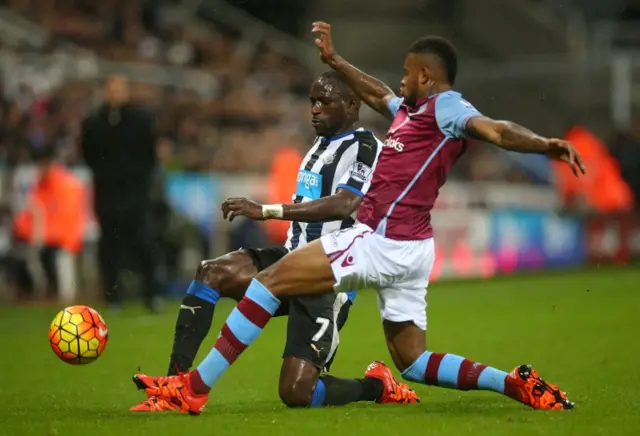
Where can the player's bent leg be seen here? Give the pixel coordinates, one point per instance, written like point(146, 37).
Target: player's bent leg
point(301, 385)
point(305, 271)
point(312, 341)
point(227, 276)
point(405, 341)
point(406, 344)
point(404, 314)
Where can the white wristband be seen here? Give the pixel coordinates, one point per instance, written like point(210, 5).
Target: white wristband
point(272, 211)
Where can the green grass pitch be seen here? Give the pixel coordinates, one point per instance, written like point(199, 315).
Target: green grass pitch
point(580, 329)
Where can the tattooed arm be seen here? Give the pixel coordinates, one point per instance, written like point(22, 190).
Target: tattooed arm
point(514, 137)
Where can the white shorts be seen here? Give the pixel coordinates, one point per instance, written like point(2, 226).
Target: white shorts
point(397, 270)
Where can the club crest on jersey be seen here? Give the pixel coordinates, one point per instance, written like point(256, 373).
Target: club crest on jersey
point(309, 184)
point(360, 172)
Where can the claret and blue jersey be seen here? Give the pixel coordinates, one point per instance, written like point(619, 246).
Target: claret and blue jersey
point(423, 143)
point(451, 112)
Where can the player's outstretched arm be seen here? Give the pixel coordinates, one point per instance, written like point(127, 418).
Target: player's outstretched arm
point(372, 91)
point(338, 206)
point(514, 137)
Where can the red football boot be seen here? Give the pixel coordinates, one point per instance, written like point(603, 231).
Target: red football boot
point(174, 389)
point(154, 404)
point(393, 390)
point(525, 385)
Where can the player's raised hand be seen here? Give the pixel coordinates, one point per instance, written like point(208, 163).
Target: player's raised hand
point(233, 207)
point(324, 43)
point(564, 151)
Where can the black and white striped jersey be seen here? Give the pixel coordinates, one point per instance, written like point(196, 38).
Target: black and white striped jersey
point(344, 161)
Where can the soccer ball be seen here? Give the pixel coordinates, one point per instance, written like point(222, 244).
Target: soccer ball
point(78, 335)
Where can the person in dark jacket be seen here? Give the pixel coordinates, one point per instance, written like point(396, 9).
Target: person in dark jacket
point(626, 150)
point(118, 145)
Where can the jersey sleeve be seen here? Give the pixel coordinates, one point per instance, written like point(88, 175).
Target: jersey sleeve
point(452, 114)
point(359, 172)
point(394, 105)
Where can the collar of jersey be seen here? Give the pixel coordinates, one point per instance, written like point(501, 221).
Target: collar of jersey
point(426, 99)
point(342, 135)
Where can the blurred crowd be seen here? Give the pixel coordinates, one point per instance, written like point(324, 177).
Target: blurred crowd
point(258, 106)
point(260, 102)
point(193, 135)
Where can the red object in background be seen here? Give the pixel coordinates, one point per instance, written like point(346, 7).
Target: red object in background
point(463, 259)
point(607, 239)
point(488, 264)
point(462, 246)
point(281, 185)
point(507, 259)
point(58, 199)
point(39, 107)
point(603, 187)
point(436, 271)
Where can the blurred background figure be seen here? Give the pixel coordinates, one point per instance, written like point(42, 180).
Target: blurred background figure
point(282, 176)
point(605, 190)
point(626, 149)
point(118, 146)
point(53, 223)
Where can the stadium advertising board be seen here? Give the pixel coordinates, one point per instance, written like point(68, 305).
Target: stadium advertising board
point(563, 241)
point(195, 197)
point(462, 244)
point(525, 240)
point(471, 241)
point(516, 239)
point(613, 238)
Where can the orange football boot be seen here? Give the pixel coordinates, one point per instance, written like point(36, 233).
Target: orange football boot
point(393, 391)
point(175, 389)
point(525, 385)
point(154, 404)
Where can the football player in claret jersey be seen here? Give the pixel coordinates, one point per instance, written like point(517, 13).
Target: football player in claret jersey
point(334, 176)
point(390, 248)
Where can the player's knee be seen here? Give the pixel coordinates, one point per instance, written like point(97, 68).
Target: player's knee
point(201, 269)
point(217, 274)
point(296, 394)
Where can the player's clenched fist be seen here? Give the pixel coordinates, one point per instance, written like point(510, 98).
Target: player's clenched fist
point(324, 43)
point(233, 207)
